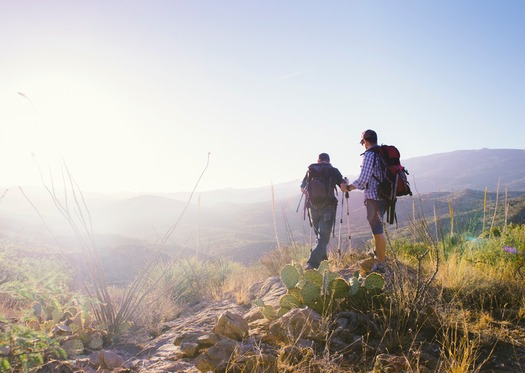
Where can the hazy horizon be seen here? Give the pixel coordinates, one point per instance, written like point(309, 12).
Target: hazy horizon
point(132, 96)
point(59, 185)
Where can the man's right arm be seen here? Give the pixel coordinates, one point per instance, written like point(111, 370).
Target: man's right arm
point(366, 172)
point(303, 184)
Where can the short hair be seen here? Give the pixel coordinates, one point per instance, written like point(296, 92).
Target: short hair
point(324, 157)
point(370, 136)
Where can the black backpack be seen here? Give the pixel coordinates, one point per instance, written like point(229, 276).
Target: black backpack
point(319, 185)
point(394, 182)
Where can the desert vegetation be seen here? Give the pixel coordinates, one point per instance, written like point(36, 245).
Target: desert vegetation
point(453, 301)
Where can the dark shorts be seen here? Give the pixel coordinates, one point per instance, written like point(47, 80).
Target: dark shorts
point(375, 210)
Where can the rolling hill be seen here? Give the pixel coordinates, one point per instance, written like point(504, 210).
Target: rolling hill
point(239, 224)
point(469, 169)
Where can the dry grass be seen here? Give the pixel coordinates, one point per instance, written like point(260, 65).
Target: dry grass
point(9, 308)
point(239, 283)
point(460, 342)
point(274, 261)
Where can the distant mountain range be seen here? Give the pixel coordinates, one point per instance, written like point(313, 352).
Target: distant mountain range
point(469, 169)
point(452, 171)
point(239, 224)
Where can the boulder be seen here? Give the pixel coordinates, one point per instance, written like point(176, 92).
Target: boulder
point(216, 358)
point(270, 291)
point(186, 337)
point(231, 325)
point(299, 323)
point(257, 363)
point(106, 360)
point(208, 340)
point(189, 349)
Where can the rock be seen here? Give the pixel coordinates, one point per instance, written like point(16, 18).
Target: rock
point(168, 350)
point(208, 340)
point(177, 353)
point(366, 265)
point(186, 337)
point(254, 314)
point(232, 326)
point(298, 323)
point(348, 329)
point(260, 363)
point(106, 360)
point(386, 363)
point(340, 341)
point(216, 358)
point(191, 344)
point(189, 349)
point(270, 291)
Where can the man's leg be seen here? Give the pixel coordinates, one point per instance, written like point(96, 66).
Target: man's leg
point(325, 221)
point(380, 242)
point(375, 211)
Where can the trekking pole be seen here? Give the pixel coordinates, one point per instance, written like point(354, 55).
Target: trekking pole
point(348, 222)
point(299, 204)
point(340, 227)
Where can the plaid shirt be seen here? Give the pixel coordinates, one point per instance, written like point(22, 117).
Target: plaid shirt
point(366, 181)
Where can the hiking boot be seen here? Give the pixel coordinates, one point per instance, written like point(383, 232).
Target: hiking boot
point(309, 266)
point(380, 268)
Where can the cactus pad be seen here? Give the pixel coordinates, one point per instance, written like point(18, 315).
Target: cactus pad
point(296, 292)
point(355, 286)
point(289, 301)
point(289, 276)
point(324, 266)
point(269, 312)
point(374, 281)
point(313, 277)
point(338, 288)
point(310, 293)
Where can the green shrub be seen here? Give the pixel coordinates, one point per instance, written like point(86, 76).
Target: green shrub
point(22, 348)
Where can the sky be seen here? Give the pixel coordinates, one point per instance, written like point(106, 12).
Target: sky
point(138, 96)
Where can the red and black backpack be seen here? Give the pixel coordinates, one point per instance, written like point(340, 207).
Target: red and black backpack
point(394, 182)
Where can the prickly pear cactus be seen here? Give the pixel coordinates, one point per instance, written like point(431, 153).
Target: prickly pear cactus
point(289, 276)
point(323, 291)
point(324, 266)
point(374, 281)
point(267, 310)
point(328, 277)
point(38, 311)
point(296, 292)
point(355, 285)
point(258, 302)
point(310, 293)
point(289, 301)
point(96, 341)
point(76, 322)
point(338, 288)
point(73, 347)
point(314, 277)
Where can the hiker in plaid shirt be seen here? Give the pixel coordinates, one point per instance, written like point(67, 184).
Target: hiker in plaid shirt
point(375, 206)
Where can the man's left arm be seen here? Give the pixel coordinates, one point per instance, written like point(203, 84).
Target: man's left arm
point(340, 181)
